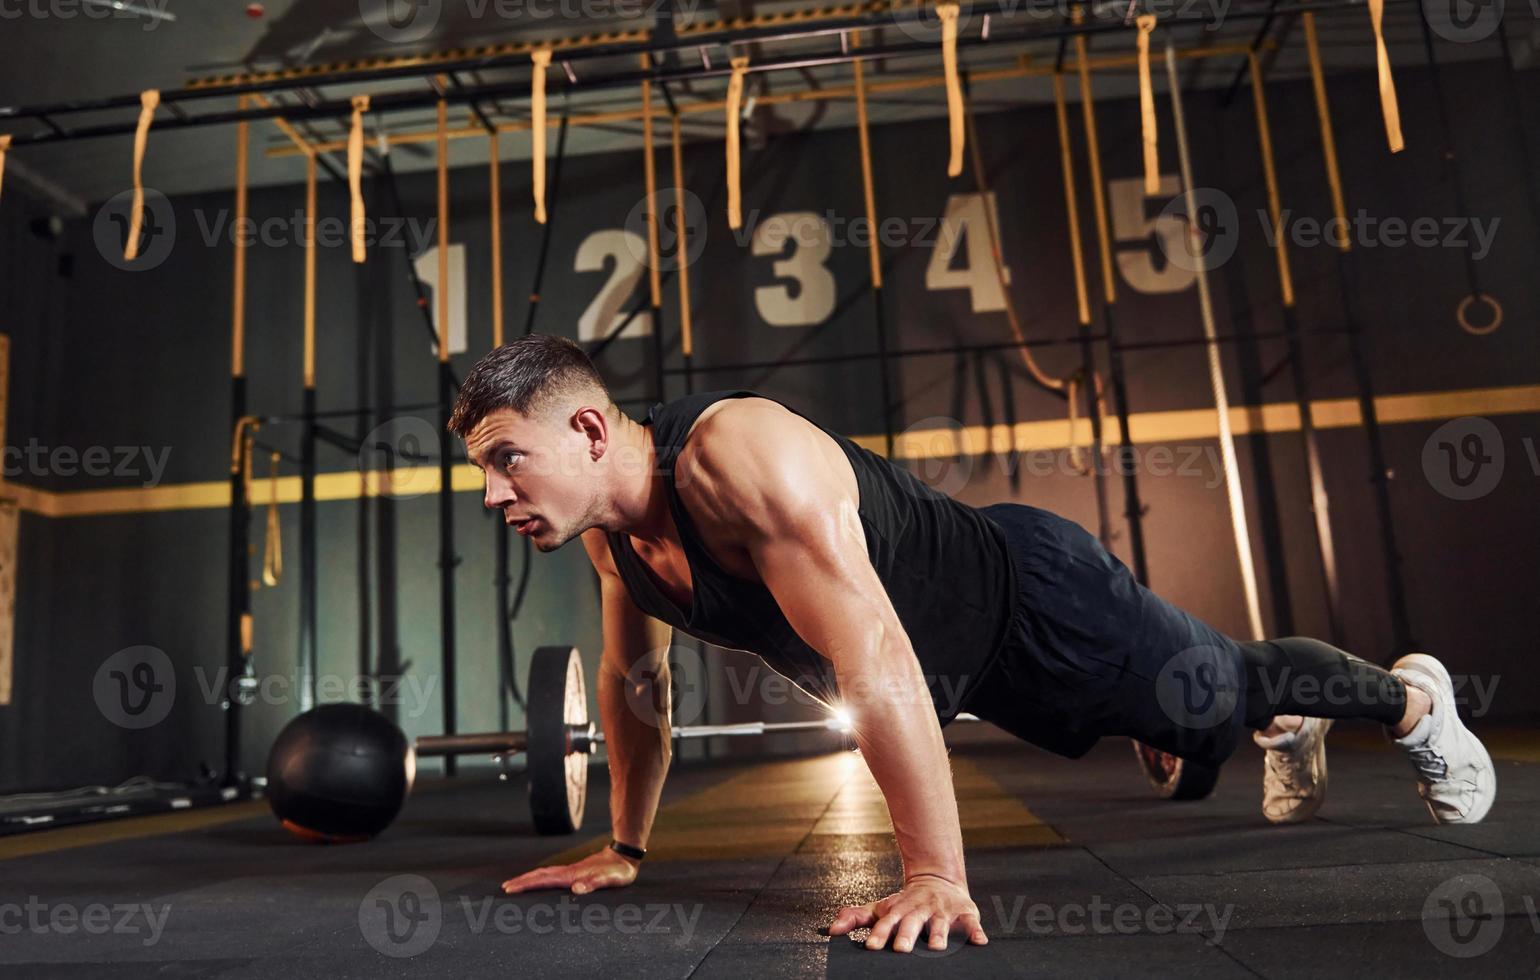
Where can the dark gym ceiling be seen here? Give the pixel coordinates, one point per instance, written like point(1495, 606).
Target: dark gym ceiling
point(59, 50)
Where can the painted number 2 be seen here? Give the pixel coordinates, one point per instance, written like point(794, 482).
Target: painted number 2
point(625, 250)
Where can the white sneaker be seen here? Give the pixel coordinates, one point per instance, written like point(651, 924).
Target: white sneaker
point(1294, 772)
point(1454, 773)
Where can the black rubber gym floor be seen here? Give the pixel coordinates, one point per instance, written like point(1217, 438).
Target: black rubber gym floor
point(1077, 869)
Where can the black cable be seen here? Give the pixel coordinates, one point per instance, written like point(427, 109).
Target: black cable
point(550, 221)
point(418, 288)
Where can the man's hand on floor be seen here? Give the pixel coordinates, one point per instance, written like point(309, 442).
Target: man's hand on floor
point(927, 902)
point(604, 869)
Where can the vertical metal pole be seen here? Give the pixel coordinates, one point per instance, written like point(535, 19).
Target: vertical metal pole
point(1133, 508)
point(1238, 520)
point(1320, 502)
point(874, 253)
point(305, 665)
point(309, 586)
point(238, 610)
point(446, 528)
point(1083, 311)
point(1379, 473)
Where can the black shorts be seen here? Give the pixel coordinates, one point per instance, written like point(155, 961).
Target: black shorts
point(1090, 652)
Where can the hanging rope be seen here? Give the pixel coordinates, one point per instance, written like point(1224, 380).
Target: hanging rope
point(542, 61)
point(495, 192)
point(1388, 105)
point(1216, 370)
point(148, 101)
point(356, 176)
point(947, 11)
point(5, 145)
point(272, 546)
point(1146, 24)
point(1069, 386)
point(740, 65)
point(650, 178)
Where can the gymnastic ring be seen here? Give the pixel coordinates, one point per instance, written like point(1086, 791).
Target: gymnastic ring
point(1462, 314)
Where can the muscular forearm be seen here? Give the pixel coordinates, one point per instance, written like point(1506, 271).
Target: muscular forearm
point(896, 728)
point(639, 755)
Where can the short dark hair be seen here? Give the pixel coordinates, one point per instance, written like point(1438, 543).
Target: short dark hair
point(524, 375)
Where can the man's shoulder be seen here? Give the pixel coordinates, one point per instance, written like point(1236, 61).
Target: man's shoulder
point(737, 425)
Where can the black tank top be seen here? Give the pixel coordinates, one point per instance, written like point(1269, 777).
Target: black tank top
point(945, 566)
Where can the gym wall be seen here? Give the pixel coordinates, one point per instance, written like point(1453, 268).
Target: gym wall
point(103, 357)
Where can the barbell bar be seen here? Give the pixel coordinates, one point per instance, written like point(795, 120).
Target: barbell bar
point(341, 772)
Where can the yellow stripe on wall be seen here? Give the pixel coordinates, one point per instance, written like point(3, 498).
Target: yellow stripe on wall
point(973, 440)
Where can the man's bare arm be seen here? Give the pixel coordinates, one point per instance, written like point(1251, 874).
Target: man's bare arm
point(633, 697)
point(796, 513)
point(633, 674)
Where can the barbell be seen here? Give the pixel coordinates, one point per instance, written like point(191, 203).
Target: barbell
point(341, 772)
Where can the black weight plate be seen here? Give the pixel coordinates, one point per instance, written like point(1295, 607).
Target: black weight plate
point(558, 777)
point(1175, 778)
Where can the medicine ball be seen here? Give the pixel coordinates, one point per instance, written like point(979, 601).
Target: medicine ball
point(339, 773)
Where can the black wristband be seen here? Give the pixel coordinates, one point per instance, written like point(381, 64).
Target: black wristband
point(626, 850)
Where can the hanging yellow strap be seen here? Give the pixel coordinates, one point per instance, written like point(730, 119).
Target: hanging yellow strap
point(542, 60)
point(441, 288)
point(947, 12)
point(5, 145)
point(356, 176)
point(1071, 201)
point(245, 427)
point(650, 177)
point(682, 245)
point(1388, 104)
point(495, 205)
point(874, 253)
point(1270, 179)
point(238, 305)
point(148, 101)
point(1146, 24)
point(740, 65)
point(307, 369)
point(1328, 138)
point(272, 548)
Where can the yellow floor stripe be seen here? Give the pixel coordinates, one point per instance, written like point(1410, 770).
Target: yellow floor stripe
point(130, 828)
point(1148, 427)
